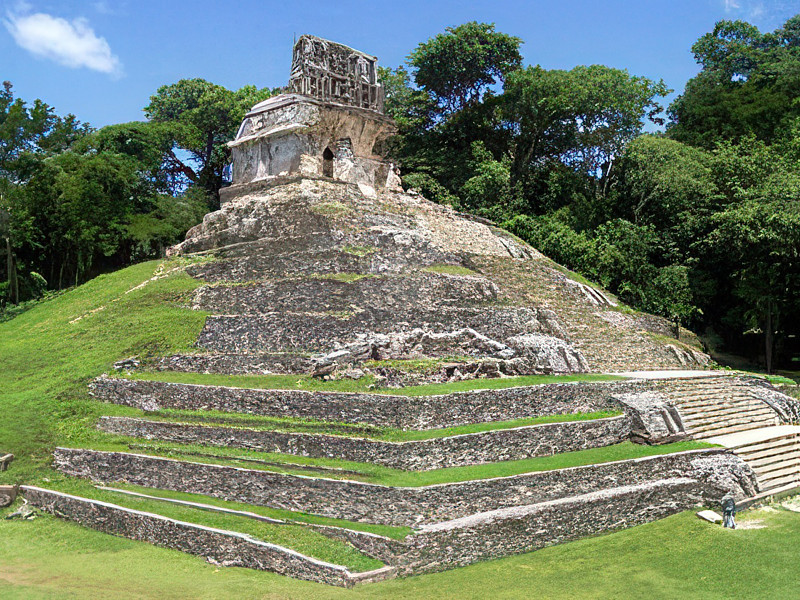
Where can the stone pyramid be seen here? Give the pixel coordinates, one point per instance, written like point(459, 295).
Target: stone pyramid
point(319, 264)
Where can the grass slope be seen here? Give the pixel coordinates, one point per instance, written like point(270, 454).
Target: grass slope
point(295, 536)
point(678, 558)
point(48, 354)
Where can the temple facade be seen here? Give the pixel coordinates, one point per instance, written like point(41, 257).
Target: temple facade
point(330, 123)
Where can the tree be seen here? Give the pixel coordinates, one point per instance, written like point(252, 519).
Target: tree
point(28, 134)
point(150, 144)
point(670, 295)
point(583, 117)
point(732, 49)
point(204, 117)
point(458, 67)
point(488, 191)
point(661, 180)
point(748, 85)
point(762, 237)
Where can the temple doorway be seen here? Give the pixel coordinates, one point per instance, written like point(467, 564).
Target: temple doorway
point(327, 163)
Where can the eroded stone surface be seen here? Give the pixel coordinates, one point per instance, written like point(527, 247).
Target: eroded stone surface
point(357, 501)
point(302, 249)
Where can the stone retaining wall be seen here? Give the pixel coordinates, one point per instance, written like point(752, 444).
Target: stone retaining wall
point(371, 252)
point(321, 332)
point(403, 412)
point(518, 529)
point(234, 364)
point(384, 293)
point(226, 547)
point(422, 455)
point(718, 470)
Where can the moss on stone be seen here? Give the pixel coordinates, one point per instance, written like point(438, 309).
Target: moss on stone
point(450, 270)
point(331, 209)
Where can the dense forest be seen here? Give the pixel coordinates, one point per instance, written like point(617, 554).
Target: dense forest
point(699, 223)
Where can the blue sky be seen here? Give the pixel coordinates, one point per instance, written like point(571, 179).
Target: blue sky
point(101, 60)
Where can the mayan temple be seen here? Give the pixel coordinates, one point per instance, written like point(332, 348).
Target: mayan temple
point(320, 265)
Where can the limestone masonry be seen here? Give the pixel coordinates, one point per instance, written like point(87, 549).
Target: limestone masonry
point(320, 268)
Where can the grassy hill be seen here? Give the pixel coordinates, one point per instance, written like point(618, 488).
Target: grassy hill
point(49, 353)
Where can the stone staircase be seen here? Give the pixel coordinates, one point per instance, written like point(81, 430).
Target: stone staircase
point(772, 452)
point(735, 413)
point(711, 407)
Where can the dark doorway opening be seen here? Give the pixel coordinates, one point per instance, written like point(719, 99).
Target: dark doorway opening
point(327, 163)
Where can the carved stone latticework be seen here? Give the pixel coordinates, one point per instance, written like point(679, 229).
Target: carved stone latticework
point(335, 73)
point(330, 124)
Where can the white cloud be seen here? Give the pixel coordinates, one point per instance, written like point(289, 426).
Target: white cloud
point(764, 13)
point(70, 43)
point(103, 8)
point(757, 11)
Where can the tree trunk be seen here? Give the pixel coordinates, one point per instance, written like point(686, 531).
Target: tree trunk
point(178, 165)
point(13, 280)
point(769, 338)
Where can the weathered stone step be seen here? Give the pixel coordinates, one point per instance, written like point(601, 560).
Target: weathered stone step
point(756, 450)
point(694, 397)
point(724, 409)
point(400, 295)
point(402, 412)
point(791, 480)
point(715, 401)
point(419, 455)
point(227, 547)
point(694, 400)
point(780, 455)
point(733, 419)
point(724, 429)
point(707, 419)
point(403, 506)
point(778, 477)
point(720, 407)
point(786, 466)
point(702, 385)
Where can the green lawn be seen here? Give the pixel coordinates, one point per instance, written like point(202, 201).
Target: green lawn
point(378, 474)
point(365, 384)
point(295, 536)
point(678, 558)
point(234, 420)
